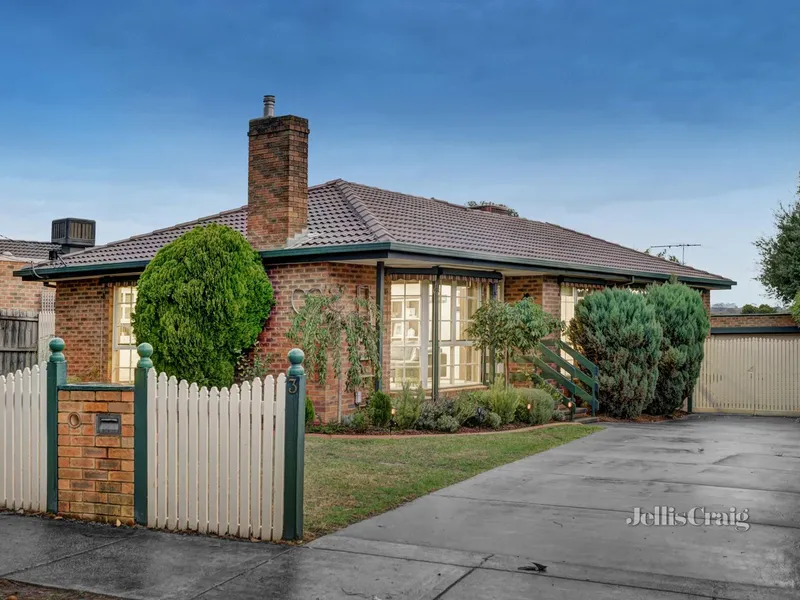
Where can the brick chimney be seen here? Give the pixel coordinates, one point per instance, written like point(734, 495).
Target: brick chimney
point(277, 178)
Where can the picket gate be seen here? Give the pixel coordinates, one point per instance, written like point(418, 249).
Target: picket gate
point(23, 439)
point(216, 456)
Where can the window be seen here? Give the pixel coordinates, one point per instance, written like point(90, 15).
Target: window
point(412, 330)
point(124, 342)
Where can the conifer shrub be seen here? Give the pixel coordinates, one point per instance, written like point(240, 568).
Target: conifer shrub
point(618, 331)
point(685, 325)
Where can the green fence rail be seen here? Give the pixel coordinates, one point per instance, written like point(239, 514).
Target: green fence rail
point(575, 381)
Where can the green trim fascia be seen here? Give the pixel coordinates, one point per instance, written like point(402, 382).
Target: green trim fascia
point(96, 387)
point(788, 329)
point(78, 271)
point(384, 250)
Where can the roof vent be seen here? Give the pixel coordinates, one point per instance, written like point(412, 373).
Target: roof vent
point(269, 106)
point(73, 234)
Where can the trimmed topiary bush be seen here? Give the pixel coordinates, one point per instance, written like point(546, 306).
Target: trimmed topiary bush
point(379, 408)
point(202, 301)
point(685, 325)
point(618, 330)
point(542, 406)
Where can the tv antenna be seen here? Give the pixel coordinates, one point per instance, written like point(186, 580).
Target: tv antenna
point(681, 246)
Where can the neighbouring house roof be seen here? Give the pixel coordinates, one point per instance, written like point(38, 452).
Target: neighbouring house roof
point(343, 214)
point(26, 250)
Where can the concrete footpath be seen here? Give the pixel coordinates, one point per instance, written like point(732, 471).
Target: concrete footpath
point(564, 509)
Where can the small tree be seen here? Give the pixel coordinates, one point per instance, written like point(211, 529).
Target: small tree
point(507, 328)
point(321, 326)
point(780, 254)
point(202, 300)
point(685, 325)
point(617, 330)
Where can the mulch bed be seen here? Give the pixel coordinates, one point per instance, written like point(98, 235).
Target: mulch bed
point(23, 591)
point(398, 433)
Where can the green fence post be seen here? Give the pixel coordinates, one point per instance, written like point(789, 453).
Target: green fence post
point(56, 376)
point(140, 474)
point(294, 454)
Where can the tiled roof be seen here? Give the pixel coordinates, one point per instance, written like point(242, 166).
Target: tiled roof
point(342, 213)
point(25, 250)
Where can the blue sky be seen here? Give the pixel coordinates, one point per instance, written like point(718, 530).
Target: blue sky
point(644, 123)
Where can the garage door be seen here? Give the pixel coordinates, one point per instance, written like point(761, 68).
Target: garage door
point(751, 375)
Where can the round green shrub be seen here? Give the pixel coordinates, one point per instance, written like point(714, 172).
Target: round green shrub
point(202, 300)
point(542, 406)
point(618, 331)
point(685, 325)
point(359, 420)
point(311, 414)
point(493, 420)
point(380, 408)
point(447, 423)
point(408, 405)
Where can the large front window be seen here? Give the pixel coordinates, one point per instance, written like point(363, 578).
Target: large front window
point(413, 331)
point(124, 342)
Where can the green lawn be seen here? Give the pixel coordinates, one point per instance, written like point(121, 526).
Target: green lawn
point(348, 480)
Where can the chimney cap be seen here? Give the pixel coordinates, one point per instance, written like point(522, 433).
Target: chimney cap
point(269, 106)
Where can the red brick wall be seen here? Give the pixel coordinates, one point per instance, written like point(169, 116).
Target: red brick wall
point(95, 473)
point(84, 320)
point(15, 293)
point(544, 290)
point(277, 190)
point(290, 281)
point(774, 320)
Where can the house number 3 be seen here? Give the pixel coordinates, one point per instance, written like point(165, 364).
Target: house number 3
point(292, 389)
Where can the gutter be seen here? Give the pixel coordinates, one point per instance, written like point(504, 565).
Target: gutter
point(387, 250)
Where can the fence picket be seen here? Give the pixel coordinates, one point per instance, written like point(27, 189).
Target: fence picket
point(213, 460)
point(35, 421)
point(267, 449)
point(224, 485)
point(18, 466)
point(42, 436)
point(4, 468)
point(202, 460)
point(162, 449)
point(255, 458)
point(172, 453)
point(245, 401)
point(25, 439)
point(152, 465)
point(233, 455)
point(192, 475)
point(183, 454)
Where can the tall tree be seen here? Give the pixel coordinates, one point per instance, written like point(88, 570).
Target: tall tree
point(780, 254)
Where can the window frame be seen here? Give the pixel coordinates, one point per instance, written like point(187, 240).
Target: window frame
point(116, 346)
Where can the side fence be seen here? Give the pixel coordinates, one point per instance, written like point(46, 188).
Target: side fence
point(161, 453)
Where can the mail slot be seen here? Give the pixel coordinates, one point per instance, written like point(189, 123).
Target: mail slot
point(106, 424)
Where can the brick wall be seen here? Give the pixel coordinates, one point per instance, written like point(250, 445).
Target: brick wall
point(292, 281)
point(95, 473)
point(544, 290)
point(15, 293)
point(773, 320)
point(84, 321)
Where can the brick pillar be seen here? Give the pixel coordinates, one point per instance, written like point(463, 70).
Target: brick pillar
point(95, 472)
point(277, 179)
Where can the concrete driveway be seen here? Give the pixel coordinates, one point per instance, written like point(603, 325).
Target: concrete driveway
point(567, 509)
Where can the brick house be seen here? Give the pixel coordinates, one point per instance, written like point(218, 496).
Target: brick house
point(427, 263)
point(15, 293)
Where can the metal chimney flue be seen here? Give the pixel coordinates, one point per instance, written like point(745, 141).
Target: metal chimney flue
point(269, 106)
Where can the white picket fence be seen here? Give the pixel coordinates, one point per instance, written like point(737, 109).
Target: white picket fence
point(216, 457)
point(23, 439)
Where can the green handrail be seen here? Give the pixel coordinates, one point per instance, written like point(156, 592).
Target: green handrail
point(549, 356)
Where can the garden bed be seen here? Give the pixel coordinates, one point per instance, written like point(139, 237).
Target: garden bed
point(678, 414)
point(340, 431)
